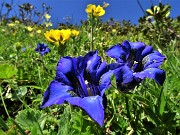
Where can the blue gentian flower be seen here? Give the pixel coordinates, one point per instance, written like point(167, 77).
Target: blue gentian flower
point(80, 81)
point(42, 49)
point(135, 62)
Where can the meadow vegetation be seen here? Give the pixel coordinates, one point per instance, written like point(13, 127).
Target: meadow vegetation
point(25, 75)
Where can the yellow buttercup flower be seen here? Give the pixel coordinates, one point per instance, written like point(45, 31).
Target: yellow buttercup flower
point(47, 16)
point(38, 31)
point(53, 36)
point(48, 24)
point(92, 10)
point(99, 11)
point(113, 30)
point(75, 33)
point(11, 24)
point(58, 36)
point(64, 35)
point(17, 22)
point(29, 28)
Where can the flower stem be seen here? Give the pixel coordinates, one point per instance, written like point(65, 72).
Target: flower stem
point(92, 31)
point(4, 103)
point(61, 49)
point(127, 108)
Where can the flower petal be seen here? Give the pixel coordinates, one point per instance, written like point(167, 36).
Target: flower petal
point(65, 65)
point(155, 73)
point(93, 61)
point(147, 50)
point(101, 70)
point(56, 94)
point(138, 48)
point(120, 52)
point(124, 75)
point(60, 77)
point(153, 60)
point(80, 64)
point(92, 105)
point(69, 67)
point(105, 81)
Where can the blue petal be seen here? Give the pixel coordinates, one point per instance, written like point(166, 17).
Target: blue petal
point(120, 52)
point(114, 51)
point(82, 90)
point(60, 77)
point(66, 65)
point(105, 81)
point(114, 66)
point(138, 48)
point(92, 105)
point(80, 64)
point(93, 61)
point(56, 94)
point(101, 70)
point(124, 74)
point(147, 50)
point(90, 54)
point(47, 50)
point(155, 73)
point(153, 60)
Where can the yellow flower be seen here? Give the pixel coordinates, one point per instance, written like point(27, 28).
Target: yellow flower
point(48, 24)
point(64, 35)
point(58, 36)
point(92, 10)
point(167, 14)
point(154, 11)
point(159, 10)
point(38, 31)
point(99, 11)
point(11, 24)
point(47, 16)
point(29, 28)
point(75, 33)
point(113, 30)
point(53, 36)
point(17, 22)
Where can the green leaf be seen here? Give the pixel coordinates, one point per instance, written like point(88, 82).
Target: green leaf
point(19, 93)
point(30, 118)
point(2, 132)
point(3, 124)
point(162, 104)
point(152, 115)
point(148, 125)
point(64, 123)
point(76, 120)
point(7, 71)
point(18, 126)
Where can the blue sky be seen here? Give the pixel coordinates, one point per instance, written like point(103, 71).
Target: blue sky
point(118, 9)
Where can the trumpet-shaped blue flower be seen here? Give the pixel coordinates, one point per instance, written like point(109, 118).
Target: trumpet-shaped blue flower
point(80, 81)
point(136, 61)
point(42, 49)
